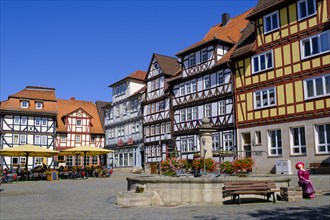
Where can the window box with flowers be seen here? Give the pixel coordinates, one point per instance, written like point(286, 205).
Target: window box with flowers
point(243, 164)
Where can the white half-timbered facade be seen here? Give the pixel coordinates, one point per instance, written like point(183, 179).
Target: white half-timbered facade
point(78, 125)
point(157, 108)
point(123, 122)
point(28, 117)
point(204, 88)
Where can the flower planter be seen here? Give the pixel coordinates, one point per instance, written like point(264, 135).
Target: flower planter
point(48, 177)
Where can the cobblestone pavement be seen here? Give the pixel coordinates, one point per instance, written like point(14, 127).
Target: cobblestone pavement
point(95, 199)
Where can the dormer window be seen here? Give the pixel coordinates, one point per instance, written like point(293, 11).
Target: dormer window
point(271, 22)
point(204, 55)
point(120, 90)
point(39, 105)
point(24, 104)
point(192, 60)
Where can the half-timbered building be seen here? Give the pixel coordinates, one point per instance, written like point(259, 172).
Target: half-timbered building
point(156, 109)
point(282, 77)
point(78, 124)
point(28, 117)
point(123, 122)
point(204, 88)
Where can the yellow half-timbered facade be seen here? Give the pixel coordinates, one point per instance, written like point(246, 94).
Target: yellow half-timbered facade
point(282, 84)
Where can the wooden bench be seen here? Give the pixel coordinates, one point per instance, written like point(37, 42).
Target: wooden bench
point(319, 168)
point(235, 189)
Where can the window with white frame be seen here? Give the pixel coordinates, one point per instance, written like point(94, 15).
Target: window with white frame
point(215, 142)
point(189, 114)
point(23, 160)
point(153, 107)
point(207, 82)
point(298, 141)
point(182, 115)
point(94, 159)
point(204, 55)
point(38, 105)
point(275, 142)
point(182, 89)
point(184, 145)
point(228, 144)
point(15, 138)
point(162, 105)
point(124, 108)
point(194, 113)
point(168, 127)
point(63, 137)
point(192, 61)
point(162, 128)
point(24, 120)
point(306, 8)
point(78, 122)
point(262, 62)
point(37, 139)
point(157, 129)
point(16, 120)
point(157, 83)
point(37, 121)
point(152, 130)
point(222, 107)
point(207, 110)
point(24, 104)
point(264, 98)
point(117, 111)
point(221, 77)
point(188, 88)
point(38, 160)
point(149, 109)
point(69, 160)
point(22, 139)
point(317, 87)
point(133, 128)
point(44, 121)
point(193, 86)
point(157, 106)
point(111, 113)
point(315, 45)
point(44, 139)
point(78, 138)
point(323, 138)
point(257, 136)
point(137, 127)
point(271, 22)
point(147, 131)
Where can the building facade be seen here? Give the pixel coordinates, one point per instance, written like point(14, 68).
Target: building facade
point(156, 109)
point(282, 77)
point(204, 88)
point(123, 122)
point(28, 117)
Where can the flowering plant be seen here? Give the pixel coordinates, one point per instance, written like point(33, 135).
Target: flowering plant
point(171, 165)
point(198, 163)
point(243, 164)
point(227, 167)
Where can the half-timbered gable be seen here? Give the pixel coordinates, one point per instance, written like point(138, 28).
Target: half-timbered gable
point(28, 117)
point(78, 124)
point(156, 108)
point(123, 121)
point(282, 72)
point(204, 88)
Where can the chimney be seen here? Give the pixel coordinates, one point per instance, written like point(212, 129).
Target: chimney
point(72, 98)
point(225, 19)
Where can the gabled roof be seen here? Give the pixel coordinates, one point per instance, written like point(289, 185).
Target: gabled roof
point(100, 105)
point(267, 6)
point(65, 107)
point(168, 64)
point(36, 93)
point(138, 75)
point(229, 34)
point(246, 43)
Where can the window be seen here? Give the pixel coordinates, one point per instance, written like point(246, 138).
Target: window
point(38, 105)
point(264, 98)
point(194, 113)
point(157, 129)
point(191, 60)
point(271, 22)
point(317, 87)
point(315, 45)
point(207, 82)
point(207, 110)
point(162, 105)
point(162, 129)
point(38, 160)
point(306, 8)
point(182, 89)
point(221, 77)
point(69, 160)
point(257, 137)
point(137, 127)
point(152, 130)
point(262, 62)
point(189, 115)
point(323, 138)
point(228, 142)
point(63, 137)
point(78, 122)
point(275, 143)
point(24, 120)
point(153, 107)
point(22, 139)
point(133, 128)
point(124, 109)
point(16, 120)
point(182, 115)
point(15, 139)
point(78, 138)
point(44, 140)
point(188, 88)
point(37, 139)
point(298, 143)
point(38, 121)
point(157, 106)
point(94, 159)
point(193, 86)
point(146, 131)
point(204, 55)
point(168, 127)
point(222, 107)
point(23, 160)
point(184, 146)
point(215, 142)
point(24, 104)
point(111, 113)
point(44, 121)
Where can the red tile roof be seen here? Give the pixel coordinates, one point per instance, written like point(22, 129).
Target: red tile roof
point(138, 75)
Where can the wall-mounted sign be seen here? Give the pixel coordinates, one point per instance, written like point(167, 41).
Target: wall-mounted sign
point(130, 141)
point(120, 143)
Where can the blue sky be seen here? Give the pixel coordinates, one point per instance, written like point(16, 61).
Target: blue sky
point(81, 47)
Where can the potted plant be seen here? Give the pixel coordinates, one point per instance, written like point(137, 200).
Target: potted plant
point(48, 174)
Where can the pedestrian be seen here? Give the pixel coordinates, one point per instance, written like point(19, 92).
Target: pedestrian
point(304, 181)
